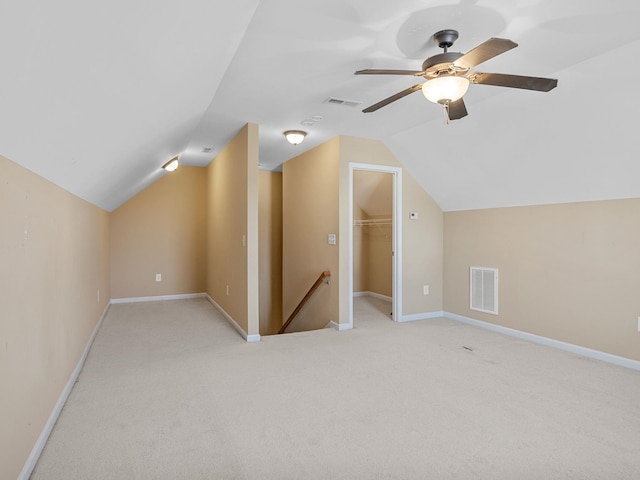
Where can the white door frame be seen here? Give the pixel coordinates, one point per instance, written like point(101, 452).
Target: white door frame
point(396, 241)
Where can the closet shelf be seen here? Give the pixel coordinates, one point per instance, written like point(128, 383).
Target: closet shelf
point(373, 221)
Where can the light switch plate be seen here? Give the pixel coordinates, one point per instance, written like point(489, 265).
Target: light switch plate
point(331, 239)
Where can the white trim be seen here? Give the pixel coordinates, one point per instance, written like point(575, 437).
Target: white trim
point(549, 342)
point(31, 462)
point(396, 295)
point(397, 245)
point(350, 255)
point(159, 298)
point(249, 338)
point(341, 326)
point(421, 316)
point(379, 296)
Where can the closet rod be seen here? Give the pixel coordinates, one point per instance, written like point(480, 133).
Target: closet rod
point(373, 221)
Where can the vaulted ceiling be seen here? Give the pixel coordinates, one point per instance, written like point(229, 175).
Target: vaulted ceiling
point(373, 192)
point(97, 96)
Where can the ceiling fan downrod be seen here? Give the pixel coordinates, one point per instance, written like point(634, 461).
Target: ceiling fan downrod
point(445, 38)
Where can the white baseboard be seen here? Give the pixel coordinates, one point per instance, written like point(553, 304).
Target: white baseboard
point(549, 342)
point(30, 464)
point(421, 316)
point(340, 326)
point(249, 338)
point(372, 294)
point(158, 298)
point(380, 296)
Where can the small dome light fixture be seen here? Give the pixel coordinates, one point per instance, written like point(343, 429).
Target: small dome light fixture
point(295, 137)
point(171, 165)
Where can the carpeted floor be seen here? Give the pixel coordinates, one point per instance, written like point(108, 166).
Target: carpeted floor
point(171, 391)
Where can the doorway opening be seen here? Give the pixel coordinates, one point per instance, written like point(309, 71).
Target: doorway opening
point(375, 237)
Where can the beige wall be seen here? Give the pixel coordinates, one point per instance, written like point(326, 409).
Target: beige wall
point(372, 256)
point(569, 272)
point(270, 251)
point(198, 227)
point(232, 229)
point(380, 260)
point(422, 250)
point(361, 255)
point(161, 230)
point(373, 244)
point(312, 208)
point(55, 259)
point(310, 213)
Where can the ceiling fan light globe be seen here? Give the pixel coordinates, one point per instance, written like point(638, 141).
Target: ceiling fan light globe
point(447, 88)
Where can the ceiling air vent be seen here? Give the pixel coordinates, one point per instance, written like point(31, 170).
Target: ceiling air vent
point(341, 101)
point(484, 289)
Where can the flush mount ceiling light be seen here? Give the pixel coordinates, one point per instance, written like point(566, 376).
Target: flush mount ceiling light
point(171, 165)
point(295, 137)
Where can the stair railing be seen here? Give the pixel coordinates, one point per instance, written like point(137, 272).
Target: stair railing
point(306, 298)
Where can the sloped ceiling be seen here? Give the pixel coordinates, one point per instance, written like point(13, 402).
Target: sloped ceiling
point(96, 97)
point(373, 192)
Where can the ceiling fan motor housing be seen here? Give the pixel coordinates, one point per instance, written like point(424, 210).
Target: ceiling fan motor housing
point(442, 63)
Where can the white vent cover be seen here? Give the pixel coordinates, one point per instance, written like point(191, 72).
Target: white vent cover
point(484, 289)
point(341, 101)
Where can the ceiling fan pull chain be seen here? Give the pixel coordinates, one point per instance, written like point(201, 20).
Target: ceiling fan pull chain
point(445, 106)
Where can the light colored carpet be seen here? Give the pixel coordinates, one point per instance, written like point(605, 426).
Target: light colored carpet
point(170, 391)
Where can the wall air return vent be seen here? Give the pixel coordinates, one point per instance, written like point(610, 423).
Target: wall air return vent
point(484, 289)
point(342, 102)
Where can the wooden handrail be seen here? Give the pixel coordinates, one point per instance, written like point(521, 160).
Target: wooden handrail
point(315, 286)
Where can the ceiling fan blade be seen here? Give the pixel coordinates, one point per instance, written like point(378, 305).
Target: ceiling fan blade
point(457, 109)
point(392, 98)
point(514, 81)
point(370, 71)
point(485, 51)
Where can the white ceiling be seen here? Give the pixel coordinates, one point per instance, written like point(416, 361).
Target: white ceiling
point(96, 97)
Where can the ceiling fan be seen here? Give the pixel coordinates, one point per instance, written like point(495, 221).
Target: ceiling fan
point(448, 76)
